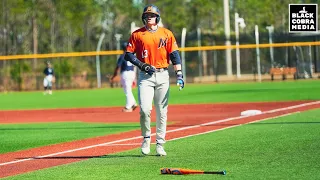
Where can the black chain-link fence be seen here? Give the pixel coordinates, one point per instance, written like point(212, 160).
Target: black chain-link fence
point(81, 72)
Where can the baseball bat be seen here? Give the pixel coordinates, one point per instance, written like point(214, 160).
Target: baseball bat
point(181, 171)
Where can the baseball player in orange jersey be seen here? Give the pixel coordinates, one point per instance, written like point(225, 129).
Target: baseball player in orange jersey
point(154, 46)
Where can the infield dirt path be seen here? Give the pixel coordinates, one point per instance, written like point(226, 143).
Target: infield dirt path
point(185, 120)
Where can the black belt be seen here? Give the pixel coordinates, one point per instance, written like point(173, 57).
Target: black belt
point(161, 69)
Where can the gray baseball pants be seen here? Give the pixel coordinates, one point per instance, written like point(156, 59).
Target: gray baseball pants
point(154, 88)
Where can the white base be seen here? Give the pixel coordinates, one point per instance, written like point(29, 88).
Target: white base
point(250, 112)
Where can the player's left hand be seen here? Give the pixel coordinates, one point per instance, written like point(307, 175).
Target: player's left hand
point(180, 81)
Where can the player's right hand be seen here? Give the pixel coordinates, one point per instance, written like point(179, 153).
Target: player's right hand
point(53, 80)
point(148, 69)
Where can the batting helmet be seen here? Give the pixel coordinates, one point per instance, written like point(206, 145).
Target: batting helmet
point(124, 46)
point(150, 9)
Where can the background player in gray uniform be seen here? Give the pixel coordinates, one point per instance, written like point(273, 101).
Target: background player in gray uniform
point(48, 79)
point(128, 76)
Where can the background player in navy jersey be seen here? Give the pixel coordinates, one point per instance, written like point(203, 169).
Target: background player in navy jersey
point(128, 75)
point(48, 79)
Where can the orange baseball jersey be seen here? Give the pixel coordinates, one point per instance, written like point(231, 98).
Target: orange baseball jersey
point(153, 48)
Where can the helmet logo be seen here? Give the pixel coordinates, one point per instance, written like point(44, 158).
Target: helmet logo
point(149, 9)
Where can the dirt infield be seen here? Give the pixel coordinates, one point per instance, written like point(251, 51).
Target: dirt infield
point(185, 120)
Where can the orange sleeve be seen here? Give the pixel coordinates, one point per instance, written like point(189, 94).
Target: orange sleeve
point(132, 43)
point(172, 43)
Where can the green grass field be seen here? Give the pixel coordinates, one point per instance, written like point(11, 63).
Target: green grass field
point(206, 93)
point(282, 148)
point(24, 136)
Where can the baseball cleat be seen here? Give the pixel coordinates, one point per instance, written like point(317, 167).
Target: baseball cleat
point(127, 110)
point(145, 147)
point(134, 107)
point(160, 150)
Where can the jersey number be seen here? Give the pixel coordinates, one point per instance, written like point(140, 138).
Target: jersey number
point(144, 53)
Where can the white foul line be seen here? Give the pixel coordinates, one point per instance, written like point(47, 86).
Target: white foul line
point(241, 117)
point(182, 137)
point(169, 131)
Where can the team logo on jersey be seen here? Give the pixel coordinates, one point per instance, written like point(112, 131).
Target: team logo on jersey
point(162, 43)
point(303, 17)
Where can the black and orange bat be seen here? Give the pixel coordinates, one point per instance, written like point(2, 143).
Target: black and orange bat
point(181, 171)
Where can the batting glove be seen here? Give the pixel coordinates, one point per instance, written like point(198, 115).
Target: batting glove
point(148, 69)
point(180, 81)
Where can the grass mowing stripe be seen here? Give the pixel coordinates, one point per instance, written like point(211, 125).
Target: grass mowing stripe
point(282, 148)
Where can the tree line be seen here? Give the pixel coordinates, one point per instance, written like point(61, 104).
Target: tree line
point(48, 26)
point(51, 26)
